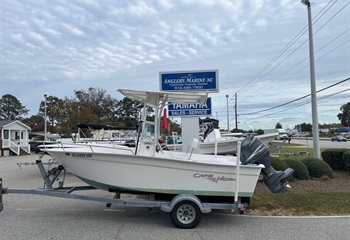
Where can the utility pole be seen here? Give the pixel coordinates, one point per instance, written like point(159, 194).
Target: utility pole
point(315, 134)
point(236, 117)
point(228, 116)
point(45, 127)
point(348, 121)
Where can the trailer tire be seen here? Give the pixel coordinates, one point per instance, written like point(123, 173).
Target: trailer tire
point(186, 214)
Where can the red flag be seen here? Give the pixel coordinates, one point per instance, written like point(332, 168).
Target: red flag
point(165, 124)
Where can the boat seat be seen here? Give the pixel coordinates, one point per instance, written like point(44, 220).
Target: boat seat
point(193, 145)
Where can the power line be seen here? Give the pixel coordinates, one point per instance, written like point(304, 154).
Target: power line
point(290, 44)
point(304, 103)
point(268, 109)
point(270, 82)
point(303, 31)
point(348, 40)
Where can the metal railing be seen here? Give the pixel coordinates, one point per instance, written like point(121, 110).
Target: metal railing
point(91, 146)
point(16, 146)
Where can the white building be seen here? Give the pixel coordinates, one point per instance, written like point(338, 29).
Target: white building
point(14, 138)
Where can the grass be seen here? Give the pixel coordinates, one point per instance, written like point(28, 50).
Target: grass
point(292, 150)
point(300, 204)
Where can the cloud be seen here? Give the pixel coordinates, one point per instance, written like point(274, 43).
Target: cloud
point(125, 44)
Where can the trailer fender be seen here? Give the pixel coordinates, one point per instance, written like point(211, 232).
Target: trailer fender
point(168, 206)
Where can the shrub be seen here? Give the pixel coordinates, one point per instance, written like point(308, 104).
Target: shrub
point(278, 164)
point(346, 159)
point(334, 158)
point(300, 170)
point(317, 168)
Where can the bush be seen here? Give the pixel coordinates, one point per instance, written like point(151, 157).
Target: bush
point(317, 168)
point(346, 159)
point(334, 158)
point(278, 164)
point(300, 170)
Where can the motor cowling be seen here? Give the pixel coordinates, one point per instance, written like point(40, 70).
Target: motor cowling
point(254, 151)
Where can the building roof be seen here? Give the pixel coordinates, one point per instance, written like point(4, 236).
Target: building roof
point(4, 123)
point(344, 129)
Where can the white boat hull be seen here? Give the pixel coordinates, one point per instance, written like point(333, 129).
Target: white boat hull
point(161, 174)
point(225, 145)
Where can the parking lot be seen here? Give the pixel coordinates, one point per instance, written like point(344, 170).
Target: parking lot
point(42, 217)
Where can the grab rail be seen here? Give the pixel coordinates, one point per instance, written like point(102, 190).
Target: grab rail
point(91, 146)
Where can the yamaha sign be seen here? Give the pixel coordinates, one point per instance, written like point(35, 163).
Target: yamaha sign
point(189, 110)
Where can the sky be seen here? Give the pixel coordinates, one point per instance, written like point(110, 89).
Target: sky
point(259, 47)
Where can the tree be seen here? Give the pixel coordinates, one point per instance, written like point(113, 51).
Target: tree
point(344, 116)
point(278, 125)
point(11, 108)
point(260, 131)
point(98, 103)
point(35, 122)
point(128, 112)
point(70, 113)
point(53, 105)
point(2, 114)
point(304, 127)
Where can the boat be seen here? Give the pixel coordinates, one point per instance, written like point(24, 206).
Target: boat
point(214, 142)
point(148, 169)
point(106, 136)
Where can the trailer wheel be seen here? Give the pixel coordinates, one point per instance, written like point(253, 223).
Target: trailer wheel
point(186, 214)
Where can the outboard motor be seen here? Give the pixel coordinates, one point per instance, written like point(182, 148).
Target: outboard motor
point(254, 151)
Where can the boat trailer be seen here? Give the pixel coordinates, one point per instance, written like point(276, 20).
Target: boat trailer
point(185, 209)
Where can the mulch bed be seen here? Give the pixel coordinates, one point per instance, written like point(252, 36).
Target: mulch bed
point(340, 183)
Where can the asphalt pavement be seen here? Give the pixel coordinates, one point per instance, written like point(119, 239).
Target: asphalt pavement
point(41, 217)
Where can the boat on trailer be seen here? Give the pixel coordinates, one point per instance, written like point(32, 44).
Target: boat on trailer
point(188, 182)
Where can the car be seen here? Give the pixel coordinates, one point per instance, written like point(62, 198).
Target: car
point(130, 143)
point(347, 135)
point(338, 138)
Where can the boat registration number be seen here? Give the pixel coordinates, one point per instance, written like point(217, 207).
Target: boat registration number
point(81, 155)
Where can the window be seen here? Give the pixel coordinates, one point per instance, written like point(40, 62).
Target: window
point(16, 135)
point(6, 134)
point(148, 131)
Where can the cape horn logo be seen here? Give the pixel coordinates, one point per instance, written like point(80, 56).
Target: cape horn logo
point(213, 178)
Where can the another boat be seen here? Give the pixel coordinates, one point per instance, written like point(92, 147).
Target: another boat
point(149, 169)
point(214, 142)
point(106, 136)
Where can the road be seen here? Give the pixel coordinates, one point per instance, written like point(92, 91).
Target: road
point(330, 144)
point(40, 217)
point(324, 143)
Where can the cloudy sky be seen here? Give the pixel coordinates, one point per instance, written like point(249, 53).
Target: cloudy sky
point(259, 47)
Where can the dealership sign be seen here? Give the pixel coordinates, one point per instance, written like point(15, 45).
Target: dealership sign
point(206, 80)
point(187, 110)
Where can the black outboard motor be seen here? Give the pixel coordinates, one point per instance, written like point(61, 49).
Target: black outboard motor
point(254, 151)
